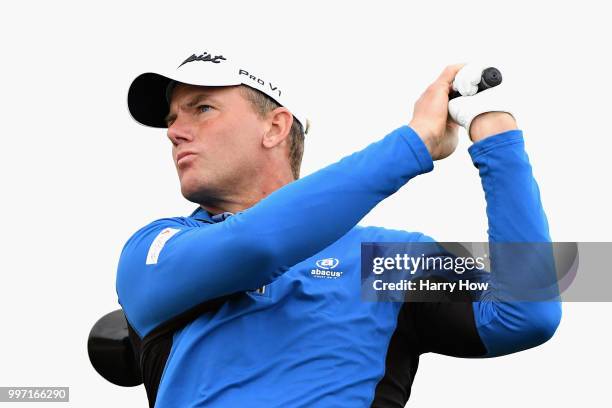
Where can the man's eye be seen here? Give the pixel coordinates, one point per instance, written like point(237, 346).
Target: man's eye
point(204, 108)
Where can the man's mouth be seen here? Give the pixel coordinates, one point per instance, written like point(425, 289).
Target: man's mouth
point(184, 156)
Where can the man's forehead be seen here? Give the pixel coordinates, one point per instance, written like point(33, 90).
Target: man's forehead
point(185, 91)
point(188, 96)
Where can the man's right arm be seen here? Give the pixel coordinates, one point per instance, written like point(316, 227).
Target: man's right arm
point(159, 279)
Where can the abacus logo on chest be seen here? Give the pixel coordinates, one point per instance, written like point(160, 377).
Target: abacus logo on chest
point(326, 269)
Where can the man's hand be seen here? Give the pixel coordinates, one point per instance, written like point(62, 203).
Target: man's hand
point(430, 118)
point(482, 114)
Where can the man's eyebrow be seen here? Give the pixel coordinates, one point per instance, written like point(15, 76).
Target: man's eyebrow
point(197, 98)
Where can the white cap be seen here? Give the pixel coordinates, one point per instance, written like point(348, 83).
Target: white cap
point(148, 93)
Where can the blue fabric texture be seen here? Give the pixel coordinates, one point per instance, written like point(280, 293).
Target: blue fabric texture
point(308, 340)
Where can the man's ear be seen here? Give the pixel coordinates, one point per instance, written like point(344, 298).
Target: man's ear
point(280, 120)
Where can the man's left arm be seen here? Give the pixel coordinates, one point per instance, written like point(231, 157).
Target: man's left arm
point(515, 215)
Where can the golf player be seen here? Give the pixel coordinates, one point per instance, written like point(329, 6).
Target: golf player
point(254, 299)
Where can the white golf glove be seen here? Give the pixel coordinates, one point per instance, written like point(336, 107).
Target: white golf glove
point(465, 108)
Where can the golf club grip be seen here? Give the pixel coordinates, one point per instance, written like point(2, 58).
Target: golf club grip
point(490, 77)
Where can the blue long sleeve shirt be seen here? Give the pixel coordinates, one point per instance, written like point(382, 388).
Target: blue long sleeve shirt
point(232, 312)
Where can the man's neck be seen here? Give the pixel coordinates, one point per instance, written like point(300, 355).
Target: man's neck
point(242, 201)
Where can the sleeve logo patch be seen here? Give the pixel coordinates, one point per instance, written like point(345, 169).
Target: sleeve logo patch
point(158, 244)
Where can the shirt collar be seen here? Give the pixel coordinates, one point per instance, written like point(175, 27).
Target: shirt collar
point(201, 214)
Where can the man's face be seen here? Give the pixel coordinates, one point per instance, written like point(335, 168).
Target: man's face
point(220, 130)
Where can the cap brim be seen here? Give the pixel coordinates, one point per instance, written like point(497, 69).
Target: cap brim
point(147, 99)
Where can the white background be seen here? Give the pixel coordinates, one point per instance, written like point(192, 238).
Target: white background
point(79, 176)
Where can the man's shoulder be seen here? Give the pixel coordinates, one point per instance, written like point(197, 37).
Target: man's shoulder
point(170, 222)
point(382, 234)
point(159, 225)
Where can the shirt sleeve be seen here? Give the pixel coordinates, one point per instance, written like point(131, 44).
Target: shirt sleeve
point(170, 265)
point(515, 215)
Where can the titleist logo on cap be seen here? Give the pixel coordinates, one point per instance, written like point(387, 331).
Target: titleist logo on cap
point(203, 57)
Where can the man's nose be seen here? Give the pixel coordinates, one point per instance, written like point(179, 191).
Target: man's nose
point(180, 131)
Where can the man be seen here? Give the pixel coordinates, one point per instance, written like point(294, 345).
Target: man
point(225, 308)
